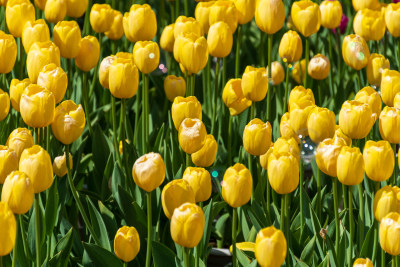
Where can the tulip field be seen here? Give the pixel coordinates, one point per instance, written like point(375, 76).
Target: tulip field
point(188, 133)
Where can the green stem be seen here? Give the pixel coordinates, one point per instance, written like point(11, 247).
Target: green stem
point(285, 100)
point(208, 82)
point(86, 102)
point(24, 240)
point(307, 61)
point(331, 59)
point(14, 258)
point(301, 169)
point(230, 141)
point(393, 261)
point(283, 213)
point(186, 257)
point(376, 242)
point(37, 229)
point(398, 53)
point(125, 264)
point(1, 261)
point(115, 135)
point(146, 111)
point(268, 196)
point(234, 229)
point(137, 113)
point(48, 138)
point(393, 180)
point(214, 107)
point(172, 12)
point(149, 229)
point(186, 7)
point(359, 80)
point(383, 258)
point(223, 71)
point(336, 211)
point(362, 214)
point(86, 22)
point(269, 92)
point(238, 43)
point(287, 225)
point(20, 56)
point(319, 93)
point(344, 194)
point(188, 160)
point(319, 204)
point(69, 70)
point(351, 222)
point(177, 11)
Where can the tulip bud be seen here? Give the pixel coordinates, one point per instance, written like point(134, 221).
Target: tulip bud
point(350, 166)
point(104, 71)
point(187, 225)
point(286, 130)
point(174, 194)
point(4, 105)
point(277, 73)
point(18, 192)
point(174, 86)
point(319, 67)
point(140, 23)
point(36, 163)
point(18, 12)
point(379, 160)
point(167, 38)
point(297, 73)
point(123, 78)
point(199, 180)
point(392, 18)
point(202, 14)
point(117, 30)
point(271, 247)
point(76, 8)
point(255, 83)
point(369, 24)
point(327, 155)
point(126, 243)
point(60, 165)
point(321, 124)
point(193, 52)
point(205, 157)
point(390, 86)
point(38, 3)
point(35, 31)
point(146, 55)
point(89, 53)
point(385, 202)
point(257, 137)
point(299, 118)
point(306, 17)
point(225, 11)
point(283, 172)
point(331, 14)
point(355, 51)
point(67, 36)
point(237, 185)
point(54, 79)
point(234, 98)
point(192, 135)
point(55, 10)
point(8, 162)
point(40, 55)
point(376, 64)
point(363, 263)
point(69, 122)
point(183, 108)
point(19, 140)
point(290, 47)
point(301, 97)
point(101, 17)
point(371, 97)
point(8, 229)
point(187, 25)
point(361, 4)
point(389, 124)
point(220, 40)
point(148, 172)
point(356, 119)
point(270, 15)
point(8, 52)
point(389, 233)
point(339, 134)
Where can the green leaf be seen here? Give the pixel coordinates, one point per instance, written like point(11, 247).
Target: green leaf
point(367, 248)
point(100, 149)
point(109, 220)
point(308, 251)
point(242, 258)
point(98, 225)
point(50, 212)
point(100, 256)
point(160, 137)
point(62, 250)
point(162, 255)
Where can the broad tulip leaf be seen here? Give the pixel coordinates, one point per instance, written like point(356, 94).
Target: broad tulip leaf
point(98, 225)
point(100, 256)
point(162, 255)
point(51, 209)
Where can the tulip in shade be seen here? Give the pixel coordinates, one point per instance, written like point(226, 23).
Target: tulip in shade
point(286, 130)
point(117, 30)
point(174, 86)
point(234, 98)
point(385, 202)
point(174, 194)
point(4, 104)
point(167, 38)
point(192, 135)
point(126, 243)
point(205, 157)
point(60, 165)
point(277, 73)
point(76, 8)
point(202, 14)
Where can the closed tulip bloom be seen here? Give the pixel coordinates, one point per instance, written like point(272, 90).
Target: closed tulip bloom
point(271, 247)
point(8, 162)
point(257, 137)
point(123, 78)
point(389, 233)
point(199, 180)
point(306, 17)
point(40, 55)
point(361, 4)
point(8, 52)
point(187, 25)
point(379, 160)
point(4, 104)
point(396, 190)
point(193, 54)
point(36, 163)
point(183, 108)
point(140, 24)
point(146, 55)
point(35, 31)
point(302, 97)
point(389, 124)
point(187, 225)
point(356, 119)
point(355, 51)
point(385, 202)
point(331, 14)
point(19, 140)
point(148, 172)
point(255, 83)
point(76, 8)
point(39, 4)
point(104, 71)
point(69, 122)
point(234, 98)
point(205, 157)
point(89, 53)
point(319, 67)
point(339, 134)
point(55, 10)
point(369, 24)
point(226, 11)
point(117, 29)
point(237, 185)
point(396, 101)
point(101, 17)
point(283, 172)
point(167, 38)
point(264, 158)
point(363, 263)
point(60, 165)
point(54, 79)
point(202, 14)
point(18, 12)
point(192, 135)
point(390, 86)
point(174, 194)
point(299, 118)
point(219, 40)
point(126, 243)
point(290, 145)
point(174, 86)
point(246, 10)
point(285, 129)
point(290, 47)
point(321, 124)
point(18, 192)
point(270, 15)
point(277, 73)
point(327, 155)
point(392, 18)
point(376, 64)
point(16, 89)
point(297, 73)
point(67, 36)
point(8, 229)
point(371, 97)
point(350, 166)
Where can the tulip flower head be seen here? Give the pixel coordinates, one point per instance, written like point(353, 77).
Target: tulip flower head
point(148, 172)
point(8, 229)
point(126, 243)
point(271, 247)
point(176, 193)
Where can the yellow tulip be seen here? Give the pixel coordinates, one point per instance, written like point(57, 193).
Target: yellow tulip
point(117, 30)
point(321, 124)
point(101, 17)
point(19, 140)
point(205, 157)
point(8, 162)
point(18, 192)
point(350, 166)
point(389, 233)
point(183, 108)
point(297, 73)
point(376, 64)
point(255, 83)
point(271, 247)
point(89, 53)
point(355, 51)
point(174, 86)
point(60, 165)
point(339, 134)
point(237, 185)
point(226, 11)
point(34, 31)
point(55, 10)
point(199, 180)
point(257, 137)
point(306, 17)
point(277, 73)
point(290, 47)
point(76, 8)
point(36, 163)
point(8, 229)
point(327, 155)
point(299, 118)
point(371, 97)
point(369, 24)
point(264, 158)
point(270, 15)
point(220, 40)
point(67, 36)
point(290, 145)
point(389, 124)
point(283, 172)
point(331, 14)
point(390, 86)
point(234, 98)
point(4, 104)
point(55, 80)
point(246, 10)
point(363, 263)
point(40, 55)
point(392, 18)
point(146, 55)
point(396, 101)
point(126, 243)
point(379, 160)
point(301, 97)
point(104, 71)
point(18, 12)
point(202, 14)
point(397, 192)
point(38, 3)
point(174, 194)
point(123, 78)
point(167, 38)
point(193, 52)
point(187, 225)
point(140, 24)
point(361, 4)
point(285, 129)
point(319, 67)
point(187, 25)
point(385, 202)
point(148, 172)
point(8, 52)
point(192, 135)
